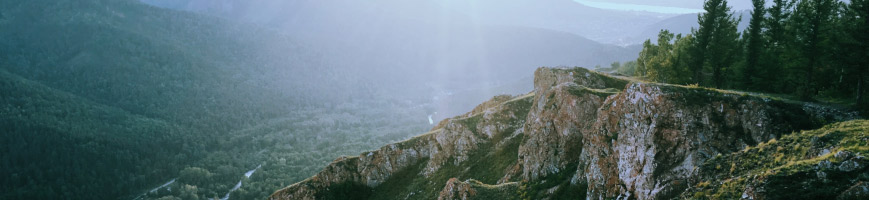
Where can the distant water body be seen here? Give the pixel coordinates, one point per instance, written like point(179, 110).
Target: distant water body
point(637, 7)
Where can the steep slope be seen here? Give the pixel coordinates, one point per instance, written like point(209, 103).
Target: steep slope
point(585, 134)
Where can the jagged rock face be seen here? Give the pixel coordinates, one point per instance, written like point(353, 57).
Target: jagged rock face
point(450, 145)
point(455, 143)
point(649, 139)
point(558, 120)
point(373, 168)
point(588, 133)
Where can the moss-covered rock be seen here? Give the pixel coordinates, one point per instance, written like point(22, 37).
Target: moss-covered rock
point(815, 164)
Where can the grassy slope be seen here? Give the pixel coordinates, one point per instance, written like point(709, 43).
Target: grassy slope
point(788, 166)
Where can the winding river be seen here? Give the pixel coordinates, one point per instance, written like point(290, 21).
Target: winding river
point(238, 185)
point(157, 188)
point(225, 197)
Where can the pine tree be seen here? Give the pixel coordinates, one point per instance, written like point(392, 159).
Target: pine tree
point(854, 45)
point(716, 42)
point(754, 45)
point(776, 37)
point(702, 35)
point(812, 23)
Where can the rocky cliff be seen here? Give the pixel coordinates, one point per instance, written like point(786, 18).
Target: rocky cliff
point(585, 134)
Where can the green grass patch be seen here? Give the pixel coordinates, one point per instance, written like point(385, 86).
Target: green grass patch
point(787, 167)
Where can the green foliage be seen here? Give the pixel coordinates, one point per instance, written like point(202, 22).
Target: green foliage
point(776, 35)
point(667, 61)
point(130, 95)
point(57, 144)
point(812, 49)
point(195, 176)
point(628, 68)
point(812, 26)
point(717, 42)
point(754, 48)
point(853, 50)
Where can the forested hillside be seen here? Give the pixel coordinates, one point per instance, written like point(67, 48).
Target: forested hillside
point(105, 99)
point(56, 144)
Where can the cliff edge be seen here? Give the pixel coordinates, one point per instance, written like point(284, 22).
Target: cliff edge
point(585, 134)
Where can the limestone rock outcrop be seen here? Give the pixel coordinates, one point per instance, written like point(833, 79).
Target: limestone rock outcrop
point(584, 133)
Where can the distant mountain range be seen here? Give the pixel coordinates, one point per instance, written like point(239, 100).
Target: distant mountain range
point(441, 46)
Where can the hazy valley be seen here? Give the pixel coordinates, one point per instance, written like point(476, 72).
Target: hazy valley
point(381, 99)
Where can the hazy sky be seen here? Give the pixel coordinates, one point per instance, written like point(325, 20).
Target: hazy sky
point(661, 6)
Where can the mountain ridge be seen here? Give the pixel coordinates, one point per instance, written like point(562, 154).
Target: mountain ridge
point(585, 134)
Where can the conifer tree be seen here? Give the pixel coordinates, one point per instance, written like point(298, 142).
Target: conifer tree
point(776, 37)
point(855, 49)
point(754, 46)
point(716, 42)
point(813, 25)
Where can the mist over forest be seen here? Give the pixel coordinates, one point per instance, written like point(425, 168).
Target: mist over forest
point(236, 99)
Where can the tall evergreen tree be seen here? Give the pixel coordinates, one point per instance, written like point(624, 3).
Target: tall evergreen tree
point(716, 41)
point(812, 23)
point(754, 45)
point(776, 37)
point(855, 45)
point(702, 36)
